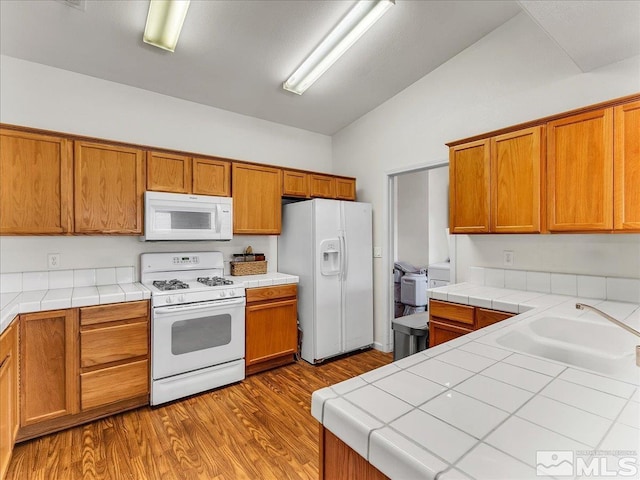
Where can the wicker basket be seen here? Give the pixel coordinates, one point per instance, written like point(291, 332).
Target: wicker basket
point(248, 268)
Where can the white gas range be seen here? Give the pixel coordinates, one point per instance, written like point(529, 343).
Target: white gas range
point(197, 324)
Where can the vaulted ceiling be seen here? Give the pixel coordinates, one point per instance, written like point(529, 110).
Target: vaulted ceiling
point(235, 54)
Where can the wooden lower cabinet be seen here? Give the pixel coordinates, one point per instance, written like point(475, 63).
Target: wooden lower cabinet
point(271, 327)
point(81, 364)
point(48, 366)
point(451, 320)
point(338, 461)
point(8, 394)
point(114, 353)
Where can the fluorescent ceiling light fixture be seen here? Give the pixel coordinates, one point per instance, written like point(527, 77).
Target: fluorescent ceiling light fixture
point(359, 19)
point(164, 23)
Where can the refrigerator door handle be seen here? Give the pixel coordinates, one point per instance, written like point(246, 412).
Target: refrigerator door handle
point(345, 256)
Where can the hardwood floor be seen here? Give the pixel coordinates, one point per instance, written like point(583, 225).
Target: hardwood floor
point(260, 428)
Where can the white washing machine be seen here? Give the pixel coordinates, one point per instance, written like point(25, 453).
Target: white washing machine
point(439, 274)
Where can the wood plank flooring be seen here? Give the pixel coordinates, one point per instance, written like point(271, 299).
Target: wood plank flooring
point(260, 428)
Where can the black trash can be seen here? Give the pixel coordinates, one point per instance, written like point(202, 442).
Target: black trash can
point(410, 334)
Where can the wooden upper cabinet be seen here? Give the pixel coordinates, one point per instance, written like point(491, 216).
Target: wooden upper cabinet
point(469, 168)
point(580, 172)
point(627, 167)
point(109, 185)
point(36, 191)
point(323, 186)
point(295, 184)
point(516, 162)
point(346, 188)
point(211, 177)
point(256, 199)
point(48, 366)
point(168, 173)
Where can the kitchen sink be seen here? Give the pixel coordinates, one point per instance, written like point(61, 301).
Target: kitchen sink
point(587, 344)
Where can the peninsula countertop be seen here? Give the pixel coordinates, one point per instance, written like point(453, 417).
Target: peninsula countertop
point(472, 408)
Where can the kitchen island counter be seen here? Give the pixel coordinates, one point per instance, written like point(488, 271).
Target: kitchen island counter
point(474, 408)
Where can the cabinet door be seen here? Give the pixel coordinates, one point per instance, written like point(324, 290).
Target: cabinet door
point(271, 331)
point(48, 365)
point(485, 317)
point(36, 193)
point(211, 177)
point(516, 162)
point(109, 184)
point(469, 167)
point(627, 167)
point(168, 173)
point(256, 199)
point(8, 394)
point(580, 172)
point(323, 186)
point(345, 189)
point(295, 184)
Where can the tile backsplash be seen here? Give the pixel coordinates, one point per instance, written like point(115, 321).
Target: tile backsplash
point(583, 286)
point(86, 277)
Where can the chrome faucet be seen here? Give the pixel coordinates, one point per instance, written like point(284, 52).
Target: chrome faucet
point(633, 331)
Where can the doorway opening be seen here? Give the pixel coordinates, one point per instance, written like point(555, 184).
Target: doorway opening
point(417, 234)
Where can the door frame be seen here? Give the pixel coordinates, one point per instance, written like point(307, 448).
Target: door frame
point(390, 243)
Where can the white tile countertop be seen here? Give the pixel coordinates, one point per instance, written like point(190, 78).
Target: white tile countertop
point(265, 279)
point(33, 291)
point(473, 408)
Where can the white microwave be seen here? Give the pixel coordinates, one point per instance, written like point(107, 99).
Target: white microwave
point(177, 216)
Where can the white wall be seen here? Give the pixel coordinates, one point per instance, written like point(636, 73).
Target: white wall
point(39, 96)
point(412, 218)
point(438, 214)
point(514, 74)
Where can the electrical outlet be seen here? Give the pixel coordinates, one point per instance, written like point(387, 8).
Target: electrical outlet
point(508, 258)
point(377, 252)
point(54, 260)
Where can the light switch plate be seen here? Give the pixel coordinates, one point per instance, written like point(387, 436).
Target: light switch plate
point(377, 252)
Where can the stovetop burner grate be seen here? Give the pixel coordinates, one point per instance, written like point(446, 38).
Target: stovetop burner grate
point(214, 281)
point(173, 284)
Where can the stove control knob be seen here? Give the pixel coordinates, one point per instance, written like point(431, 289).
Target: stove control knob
point(223, 293)
point(232, 293)
point(169, 300)
point(181, 298)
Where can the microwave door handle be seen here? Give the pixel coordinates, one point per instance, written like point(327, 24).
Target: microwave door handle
point(218, 218)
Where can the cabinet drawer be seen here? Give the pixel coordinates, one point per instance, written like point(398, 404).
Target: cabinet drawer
point(113, 344)
point(109, 385)
point(489, 317)
point(459, 313)
point(271, 293)
point(113, 312)
point(443, 332)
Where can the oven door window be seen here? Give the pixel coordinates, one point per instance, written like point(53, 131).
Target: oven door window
point(200, 333)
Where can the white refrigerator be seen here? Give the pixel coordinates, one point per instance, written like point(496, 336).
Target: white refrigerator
point(328, 245)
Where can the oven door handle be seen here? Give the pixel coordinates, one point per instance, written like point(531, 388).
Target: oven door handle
point(199, 306)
